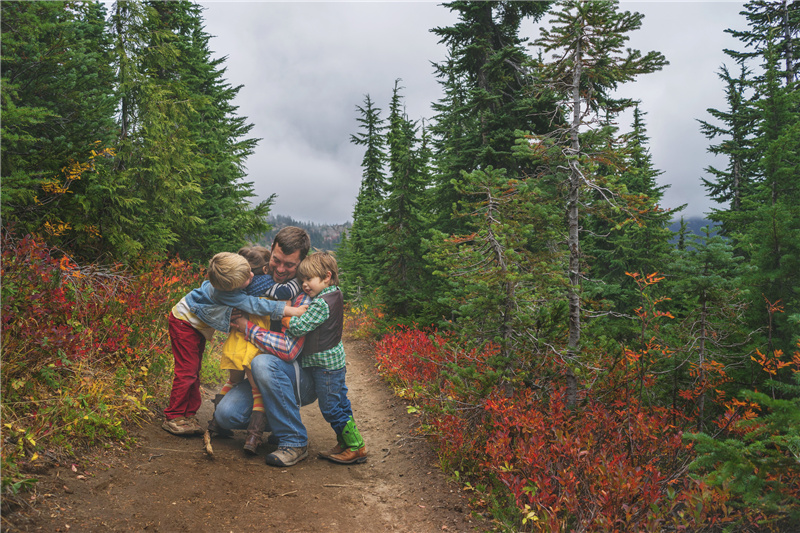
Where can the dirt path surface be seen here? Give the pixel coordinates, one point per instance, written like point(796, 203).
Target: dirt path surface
point(168, 484)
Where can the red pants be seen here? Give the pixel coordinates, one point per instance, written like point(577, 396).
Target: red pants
point(188, 345)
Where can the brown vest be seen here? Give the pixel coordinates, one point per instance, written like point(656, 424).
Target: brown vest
point(329, 333)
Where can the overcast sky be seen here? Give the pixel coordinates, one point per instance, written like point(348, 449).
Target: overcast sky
point(305, 66)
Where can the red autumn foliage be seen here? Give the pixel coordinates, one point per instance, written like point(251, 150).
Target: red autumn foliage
point(616, 466)
point(54, 309)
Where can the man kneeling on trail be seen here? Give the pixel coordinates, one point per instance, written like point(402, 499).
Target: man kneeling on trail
point(305, 360)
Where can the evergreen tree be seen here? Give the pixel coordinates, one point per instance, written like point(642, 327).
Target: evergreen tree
point(401, 273)
point(590, 62)
point(757, 459)
point(218, 136)
point(359, 257)
point(501, 280)
point(771, 240)
point(486, 98)
point(57, 111)
point(636, 239)
point(771, 24)
point(157, 189)
point(736, 127)
point(708, 275)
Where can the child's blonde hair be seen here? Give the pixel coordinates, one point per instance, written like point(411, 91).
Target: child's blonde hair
point(257, 256)
point(318, 265)
point(228, 271)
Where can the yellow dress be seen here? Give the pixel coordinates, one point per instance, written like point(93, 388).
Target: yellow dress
point(237, 352)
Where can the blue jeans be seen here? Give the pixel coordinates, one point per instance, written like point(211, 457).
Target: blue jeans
point(277, 382)
point(332, 394)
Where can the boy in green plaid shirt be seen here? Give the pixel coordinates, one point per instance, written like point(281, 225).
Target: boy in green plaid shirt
point(323, 354)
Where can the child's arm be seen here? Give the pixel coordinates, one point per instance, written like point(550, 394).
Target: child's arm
point(317, 313)
point(255, 306)
point(259, 285)
point(278, 344)
point(284, 291)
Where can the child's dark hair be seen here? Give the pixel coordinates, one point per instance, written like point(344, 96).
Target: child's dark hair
point(318, 265)
point(257, 256)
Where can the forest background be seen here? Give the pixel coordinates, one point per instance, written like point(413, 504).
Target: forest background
point(577, 364)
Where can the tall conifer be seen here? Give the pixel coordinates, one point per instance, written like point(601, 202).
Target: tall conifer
point(590, 61)
point(486, 98)
point(401, 273)
point(360, 257)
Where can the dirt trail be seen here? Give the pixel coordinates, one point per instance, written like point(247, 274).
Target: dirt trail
point(168, 484)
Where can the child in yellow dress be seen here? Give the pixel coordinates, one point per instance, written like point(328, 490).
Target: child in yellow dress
point(238, 352)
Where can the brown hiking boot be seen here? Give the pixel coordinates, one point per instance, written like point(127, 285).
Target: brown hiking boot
point(336, 450)
point(349, 456)
point(258, 422)
point(287, 456)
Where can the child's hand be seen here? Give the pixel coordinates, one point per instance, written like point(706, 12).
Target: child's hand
point(294, 311)
point(238, 313)
point(285, 321)
point(239, 324)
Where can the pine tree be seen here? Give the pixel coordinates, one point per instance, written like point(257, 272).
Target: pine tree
point(590, 62)
point(57, 110)
point(771, 25)
point(501, 281)
point(359, 256)
point(157, 190)
point(219, 140)
point(735, 126)
point(486, 98)
point(771, 239)
point(708, 275)
point(401, 273)
point(636, 239)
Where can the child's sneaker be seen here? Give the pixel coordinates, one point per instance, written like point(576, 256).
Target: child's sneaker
point(182, 426)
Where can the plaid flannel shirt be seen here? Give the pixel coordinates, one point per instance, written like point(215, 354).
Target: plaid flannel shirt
point(317, 313)
point(277, 343)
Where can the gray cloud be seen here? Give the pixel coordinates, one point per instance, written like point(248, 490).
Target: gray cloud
point(305, 66)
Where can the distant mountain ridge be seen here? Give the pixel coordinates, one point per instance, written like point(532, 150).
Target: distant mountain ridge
point(323, 236)
point(695, 225)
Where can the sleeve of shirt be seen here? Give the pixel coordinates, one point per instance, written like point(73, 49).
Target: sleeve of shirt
point(317, 313)
point(260, 285)
point(251, 304)
point(278, 344)
point(284, 291)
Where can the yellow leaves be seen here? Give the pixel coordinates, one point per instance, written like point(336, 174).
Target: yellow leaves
point(529, 515)
point(93, 231)
point(54, 187)
point(57, 229)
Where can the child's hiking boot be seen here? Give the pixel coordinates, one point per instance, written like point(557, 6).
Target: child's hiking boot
point(258, 423)
point(336, 450)
point(349, 456)
point(355, 450)
point(287, 456)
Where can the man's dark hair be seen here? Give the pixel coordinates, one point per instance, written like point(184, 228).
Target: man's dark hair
point(291, 239)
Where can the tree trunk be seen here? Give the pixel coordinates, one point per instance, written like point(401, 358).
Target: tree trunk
point(573, 238)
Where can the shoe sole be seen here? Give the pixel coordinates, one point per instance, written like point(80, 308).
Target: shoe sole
point(251, 450)
point(274, 461)
point(169, 429)
point(356, 461)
